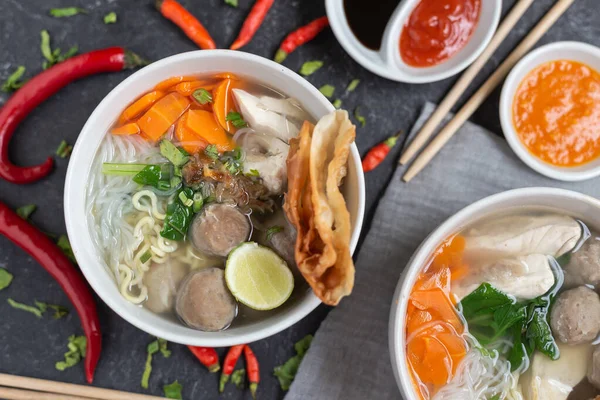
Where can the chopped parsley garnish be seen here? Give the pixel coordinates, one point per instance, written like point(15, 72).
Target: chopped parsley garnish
point(175, 155)
point(253, 173)
point(327, 90)
point(203, 96)
point(352, 85)
point(53, 56)
point(273, 230)
point(153, 348)
point(110, 18)
point(232, 3)
point(5, 278)
point(173, 391)
point(361, 120)
point(287, 372)
point(24, 307)
point(59, 311)
point(211, 151)
point(236, 119)
point(66, 12)
point(14, 82)
point(337, 103)
point(26, 211)
point(310, 67)
point(64, 149)
point(77, 346)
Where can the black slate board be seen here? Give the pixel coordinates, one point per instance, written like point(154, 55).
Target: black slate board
point(30, 346)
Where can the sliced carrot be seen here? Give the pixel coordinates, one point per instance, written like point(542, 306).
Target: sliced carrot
point(437, 301)
point(187, 88)
point(191, 142)
point(223, 103)
point(159, 118)
point(459, 272)
point(417, 319)
point(167, 83)
point(128, 129)
point(450, 252)
point(203, 124)
point(227, 75)
point(439, 278)
point(141, 105)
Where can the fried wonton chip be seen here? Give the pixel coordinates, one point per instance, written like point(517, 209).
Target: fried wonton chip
point(316, 207)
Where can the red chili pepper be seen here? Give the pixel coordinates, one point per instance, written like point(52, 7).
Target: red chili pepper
point(378, 153)
point(253, 370)
point(207, 356)
point(229, 364)
point(56, 263)
point(175, 12)
point(299, 37)
point(44, 85)
point(252, 23)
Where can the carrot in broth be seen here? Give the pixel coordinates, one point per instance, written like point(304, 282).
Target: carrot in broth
point(203, 124)
point(191, 142)
point(187, 88)
point(128, 129)
point(162, 115)
point(173, 81)
point(227, 75)
point(223, 103)
point(141, 105)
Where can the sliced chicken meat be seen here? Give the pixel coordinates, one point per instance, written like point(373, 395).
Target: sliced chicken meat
point(266, 155)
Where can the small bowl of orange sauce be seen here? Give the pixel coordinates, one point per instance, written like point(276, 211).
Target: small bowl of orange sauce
point(550, 110)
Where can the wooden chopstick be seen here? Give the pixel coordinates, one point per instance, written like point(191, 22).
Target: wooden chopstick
point(20, 394)
point(465, 80)
point(484, 91)
point(67, 389)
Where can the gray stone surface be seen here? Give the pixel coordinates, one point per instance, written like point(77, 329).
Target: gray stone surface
point(31, 346)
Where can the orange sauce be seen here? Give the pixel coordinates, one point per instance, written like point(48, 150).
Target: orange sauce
point(556, 113)
point(437, 29)
point(434, 345)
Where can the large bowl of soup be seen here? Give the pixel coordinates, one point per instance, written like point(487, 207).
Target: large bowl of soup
point(175, 191)
point(501, 302)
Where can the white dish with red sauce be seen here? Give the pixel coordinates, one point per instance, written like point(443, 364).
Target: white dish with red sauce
point(386, 59)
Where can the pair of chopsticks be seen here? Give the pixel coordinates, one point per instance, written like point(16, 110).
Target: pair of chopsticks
point(14, 387)
point(484, 91)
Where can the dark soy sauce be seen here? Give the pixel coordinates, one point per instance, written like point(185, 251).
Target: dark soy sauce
point(367, 19)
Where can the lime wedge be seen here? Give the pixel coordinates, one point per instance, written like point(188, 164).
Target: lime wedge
point(258, 277)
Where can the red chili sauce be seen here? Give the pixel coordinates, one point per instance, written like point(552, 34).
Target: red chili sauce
point(438, 29)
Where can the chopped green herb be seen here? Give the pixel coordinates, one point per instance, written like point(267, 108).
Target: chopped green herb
point(310, 67)
point(162, 347)
point(26, 211)
point(24, 307)
point(232, 3)
point(145, 257)
point(172, 153)
point(238, 378)
point(185, 200)
point(65, 246)
point(59, 311)
point(236, 119)
point(66, 12)
point(173, 391)
point(77, 346)
point(13, 82)
point(153, 348)
point(352, 85)
point(287, 372)
point(64, 150)
point(232, 160)
point(327, 90)
point(203, 96)
point(337, 103)
point(198, 202)
point(122, 168)
point(273, 230)
point(53, 56)
point(253, 172)
point(361, 120)
point(211, 151)
point(175, 181)
point(110, 18)
point(5, 278)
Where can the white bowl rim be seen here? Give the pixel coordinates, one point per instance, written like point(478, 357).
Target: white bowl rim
point(386, 67)
point(512, 82)
point(425, 249)
point(89, 263)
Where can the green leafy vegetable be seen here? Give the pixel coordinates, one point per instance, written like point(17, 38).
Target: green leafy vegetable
point(66, 12)
point(13, 82)
point(361, 120)
point(310, 67)
point(158, 176)
point(173, 391)
point(327, 90)
point(110, 18)
point(232, 3)
point(203, 96)
point(153, 348)
point(352, 85)
point(53, 56)
point(24, 307)
point(273, 230)
point(26, 211)
point(238, 378)
point(211, 151)
point(77, 346)
point(287, 372)
point(5, 278)
point(236, 119)
point(64, 150)
point(337, 103)
point(65, 246)
point(179, 215)
point(173, 154)
point(59, 311)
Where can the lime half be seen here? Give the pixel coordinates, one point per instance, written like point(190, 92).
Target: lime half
point(258, 277)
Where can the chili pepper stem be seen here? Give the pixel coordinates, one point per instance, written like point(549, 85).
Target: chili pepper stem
point(223, 381)
point(391, 141)
point(214, 368)
point(280, 56)
point(132, 60)
point(253, 387)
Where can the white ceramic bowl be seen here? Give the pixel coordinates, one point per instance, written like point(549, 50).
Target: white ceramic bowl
point(575, 51)
point(388, 63)
point(575, 204)
point(90, 262)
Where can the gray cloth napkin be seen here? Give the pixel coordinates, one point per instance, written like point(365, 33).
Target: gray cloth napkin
point(349, 356)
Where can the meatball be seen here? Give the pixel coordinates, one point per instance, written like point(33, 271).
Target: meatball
point(593, 373)
point(584, 266)
point(204, 302)
point(219, 229)
point(575, 317)
point(162, 281)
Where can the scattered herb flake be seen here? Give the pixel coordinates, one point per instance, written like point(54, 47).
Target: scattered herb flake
point(236, 119)
point(77, 346)
point(361, 120)
point(253, 173)
point(5, 278)
point(327, 90)
point(238, 378)
point(26, 211)
point(153, 348)
point(203, 96)
point(287, 372)
point(53, 56)
point(173, 391)
point(352, 85)
point(66, 12)
point(65, 246)
point(273, 230)
point(211, 151)
point(145, 257)
point(110, 18)
point(13, 82)
point(232, 3)
point(173, 153)
point(310, 67)
point(24, 307)
point(64, 150)
point(337, 103)
point(59, 311)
